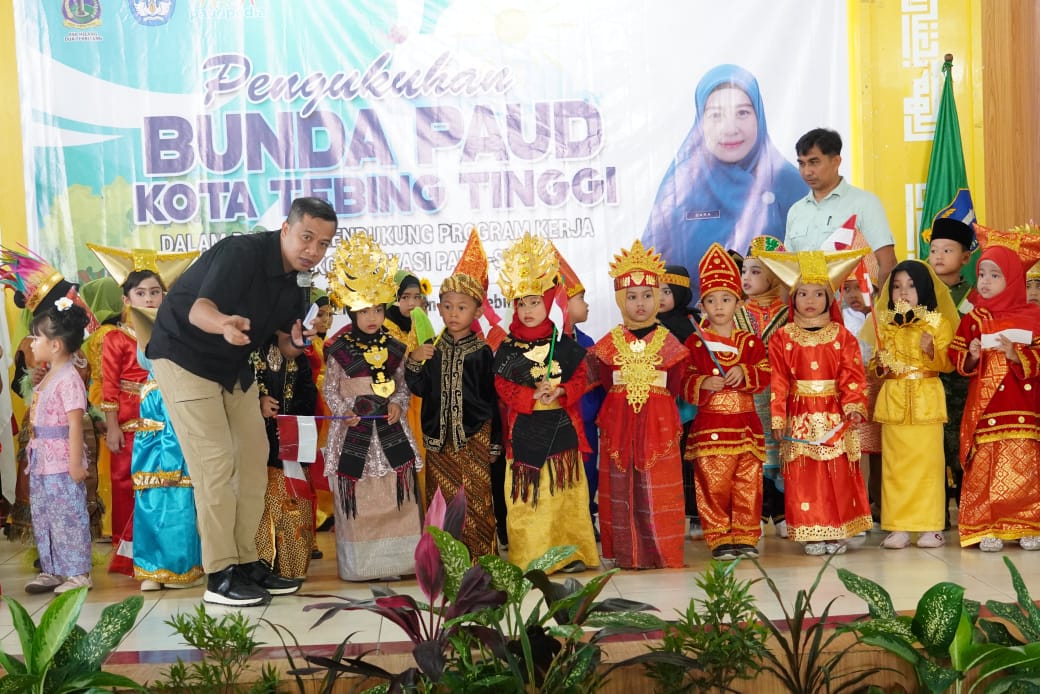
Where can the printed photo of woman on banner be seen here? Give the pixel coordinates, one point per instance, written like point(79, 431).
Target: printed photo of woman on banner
point(728, 182)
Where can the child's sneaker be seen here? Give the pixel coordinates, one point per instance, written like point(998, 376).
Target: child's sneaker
point(781, 529)
point(1030, 543)
point(73, 582)
point(816, 549)
point(896, 540)
point(932, 540)
point(696, 532)
point(43, 583)
point(991, 544)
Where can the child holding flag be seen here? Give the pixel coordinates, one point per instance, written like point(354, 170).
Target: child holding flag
point(916, 318)
point(727, 366)
point(818, 385)
point(540, 376)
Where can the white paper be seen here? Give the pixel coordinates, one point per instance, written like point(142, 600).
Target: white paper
point(1016, 335)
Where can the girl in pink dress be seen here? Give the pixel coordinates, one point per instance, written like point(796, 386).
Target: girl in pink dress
point(58, 453)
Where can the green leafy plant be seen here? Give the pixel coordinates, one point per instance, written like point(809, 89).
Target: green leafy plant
point(808, 657)
point(472, 635)
point(227, 644)
point(946, 639)
point(721, 633)
point(60, 656)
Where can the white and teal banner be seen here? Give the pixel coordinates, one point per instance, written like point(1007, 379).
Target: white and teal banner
point(169, 124)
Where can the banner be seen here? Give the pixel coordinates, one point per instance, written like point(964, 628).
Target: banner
point(169, 124)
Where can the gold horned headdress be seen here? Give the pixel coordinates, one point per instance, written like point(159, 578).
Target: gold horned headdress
point(637, 267)
point(529, 268)
point(362, 274)
point(827, 268)
point(120, 262)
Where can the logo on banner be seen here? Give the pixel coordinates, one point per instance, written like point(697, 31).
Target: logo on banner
point(152, 13)
point(81, 14)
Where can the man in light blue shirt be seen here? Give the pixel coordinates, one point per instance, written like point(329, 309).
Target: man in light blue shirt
point(832, 200)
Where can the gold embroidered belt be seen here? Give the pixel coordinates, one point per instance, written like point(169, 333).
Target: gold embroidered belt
point(815, 388)
point(729, 401)
point(131, 387)
point(142, 424)
point(540, 406)
point(660, 379)
point(912, 375)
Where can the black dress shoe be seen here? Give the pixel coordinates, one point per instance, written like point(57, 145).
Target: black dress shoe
point(316, 553)
point(265, 577)
point(231, 586)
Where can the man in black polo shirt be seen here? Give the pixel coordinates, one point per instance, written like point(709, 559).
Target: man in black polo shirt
point(238, 294)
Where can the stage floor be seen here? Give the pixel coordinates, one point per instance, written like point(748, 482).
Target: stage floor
point(906, 574)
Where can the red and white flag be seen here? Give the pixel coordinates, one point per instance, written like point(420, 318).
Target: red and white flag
point(297, 438)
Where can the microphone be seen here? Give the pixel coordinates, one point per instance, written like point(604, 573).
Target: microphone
point(305, 280)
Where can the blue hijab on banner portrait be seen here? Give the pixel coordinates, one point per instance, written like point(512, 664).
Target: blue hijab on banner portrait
point(728, 183)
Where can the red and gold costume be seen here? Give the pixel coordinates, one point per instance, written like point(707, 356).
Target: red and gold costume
point(1000, 429)
point(546, 494)
point(726, 439)
point(817, 384)
point(642, 516)
point(122, 380)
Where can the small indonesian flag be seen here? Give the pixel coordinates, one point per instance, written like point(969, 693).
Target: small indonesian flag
point(296, 482)
point(297, 439)
point(123, 553)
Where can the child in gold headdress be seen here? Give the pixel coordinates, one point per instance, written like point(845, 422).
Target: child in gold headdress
point(371, 457)
point(122, 377)
point(540, 376)
point(817, 386)
point(641, 509)
point(727, 366)
point(998, 345)
point(460, 421)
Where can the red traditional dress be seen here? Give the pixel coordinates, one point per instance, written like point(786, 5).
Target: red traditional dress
point(726, 439)
point(642, 517)
point(817, 382)
point(1000, 429)
point(122, 379)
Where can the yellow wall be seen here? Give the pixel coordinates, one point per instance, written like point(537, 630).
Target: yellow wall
point(12, 188)
point(896, 52)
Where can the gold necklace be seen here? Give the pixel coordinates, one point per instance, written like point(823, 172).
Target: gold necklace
point(638, 362)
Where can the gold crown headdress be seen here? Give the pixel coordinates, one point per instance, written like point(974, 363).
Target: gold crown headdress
point(120, 263)
point(1023, 239)
point(362, 274)
point(813, 267)
point(529, 268)
point(637, 267)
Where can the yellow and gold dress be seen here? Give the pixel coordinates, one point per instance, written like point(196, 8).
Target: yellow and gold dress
point(911, 408)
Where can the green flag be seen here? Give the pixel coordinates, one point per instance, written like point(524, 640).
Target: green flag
point(946, 193)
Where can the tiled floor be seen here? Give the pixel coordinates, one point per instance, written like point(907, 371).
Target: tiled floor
point(906, 574)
